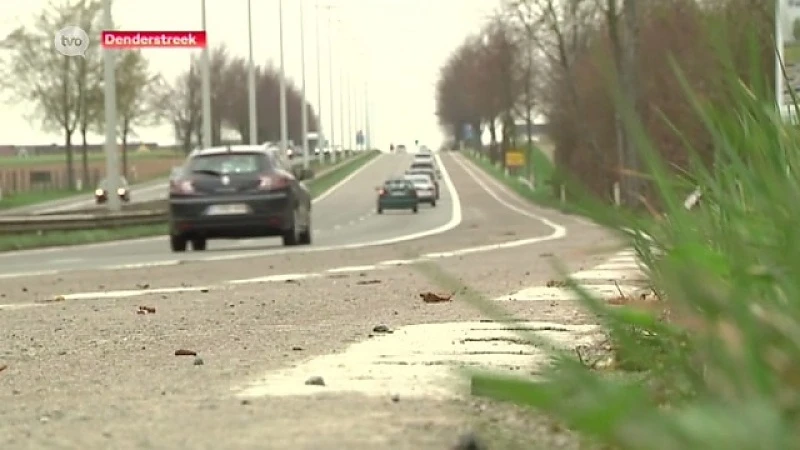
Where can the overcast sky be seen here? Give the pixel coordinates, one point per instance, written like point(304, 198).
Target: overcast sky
point(395, 45)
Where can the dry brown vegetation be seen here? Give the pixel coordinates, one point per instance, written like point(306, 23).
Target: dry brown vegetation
point(577, 53)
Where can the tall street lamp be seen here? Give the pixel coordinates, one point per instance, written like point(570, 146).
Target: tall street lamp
point(304, 112)
point(283, 118)
point(206, 84)
point(251, 79)
point(110, 86)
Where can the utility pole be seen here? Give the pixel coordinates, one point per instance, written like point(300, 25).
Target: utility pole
point(320, 134)
point(283, 114)
point(330, 83)
point(304, 112)
point(206, 85)
point(630, 90)
point(110, 87)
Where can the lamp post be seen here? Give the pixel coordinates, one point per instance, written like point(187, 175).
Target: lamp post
point(304, 111)
point(283, 118)
point(251, 79)
point(320, 134)
point(342, 64)
point(330, 81)
point(110, 86)
point(206, 85)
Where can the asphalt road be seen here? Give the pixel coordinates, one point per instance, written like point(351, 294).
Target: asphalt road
point(87, 371)
point(344, 217)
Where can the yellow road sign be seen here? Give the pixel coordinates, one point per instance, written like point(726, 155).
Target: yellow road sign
point(515, 159)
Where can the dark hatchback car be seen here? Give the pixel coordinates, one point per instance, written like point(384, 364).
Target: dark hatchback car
point(397, 193)
point(238, 192)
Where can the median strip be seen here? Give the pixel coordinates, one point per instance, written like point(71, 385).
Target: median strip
point(20, 233)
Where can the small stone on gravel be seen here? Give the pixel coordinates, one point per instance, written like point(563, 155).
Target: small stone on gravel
point(381, 329)
point(297, 348)
point(198, 361)
point(395, 398)
point(315, 381)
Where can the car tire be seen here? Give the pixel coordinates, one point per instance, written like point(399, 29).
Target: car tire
point(291, 236)
point(177, 243)
point(433, 203)
point(415, 209)
point(380, 210)
point(306, 235)
point(199, 244)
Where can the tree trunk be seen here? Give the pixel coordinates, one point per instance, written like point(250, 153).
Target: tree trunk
point(70, 159)
point(84, 158)
point(493, 141)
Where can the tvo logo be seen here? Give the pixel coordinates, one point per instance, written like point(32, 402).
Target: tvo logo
point(71, 41)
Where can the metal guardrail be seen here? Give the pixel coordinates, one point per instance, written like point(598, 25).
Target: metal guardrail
point(70, 222)
point(100, 219)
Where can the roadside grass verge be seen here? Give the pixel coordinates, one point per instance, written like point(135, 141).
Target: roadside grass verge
point(25, 241)
point(18, 200)
point(712, 360)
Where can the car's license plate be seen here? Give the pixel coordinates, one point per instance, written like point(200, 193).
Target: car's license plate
point(225, 210)
point(397, 193)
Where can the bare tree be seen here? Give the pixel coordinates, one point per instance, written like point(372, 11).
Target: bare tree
point(137, 102)
point(32, 72)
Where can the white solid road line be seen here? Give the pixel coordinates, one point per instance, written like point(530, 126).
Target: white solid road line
point(425, 360)
point(417, 360)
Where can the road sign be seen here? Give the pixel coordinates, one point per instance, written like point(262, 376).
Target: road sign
point(515, 159)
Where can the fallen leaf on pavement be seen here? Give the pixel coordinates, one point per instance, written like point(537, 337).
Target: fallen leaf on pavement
point(183, 352)
point(57, 298)
point(146, 310)
point(430, 297)
point(365, 282)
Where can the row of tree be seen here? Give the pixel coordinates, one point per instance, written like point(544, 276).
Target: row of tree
point(182, 102)
point(67, 92)
point(581, 63)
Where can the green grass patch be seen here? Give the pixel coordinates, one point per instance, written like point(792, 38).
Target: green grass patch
point(25, 241)
point(18, 200)
point(319, 185)
point(59, 238)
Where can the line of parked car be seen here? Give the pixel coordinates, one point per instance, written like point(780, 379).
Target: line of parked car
point(419, 184)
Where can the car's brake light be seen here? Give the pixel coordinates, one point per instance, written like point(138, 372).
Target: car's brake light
point(271, 182)
point(382, 192)
point(181, 187)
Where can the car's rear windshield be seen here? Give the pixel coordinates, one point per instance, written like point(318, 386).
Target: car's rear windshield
point(229, 163)
point(421, 165)
point(419, 179)
point(396, 184)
